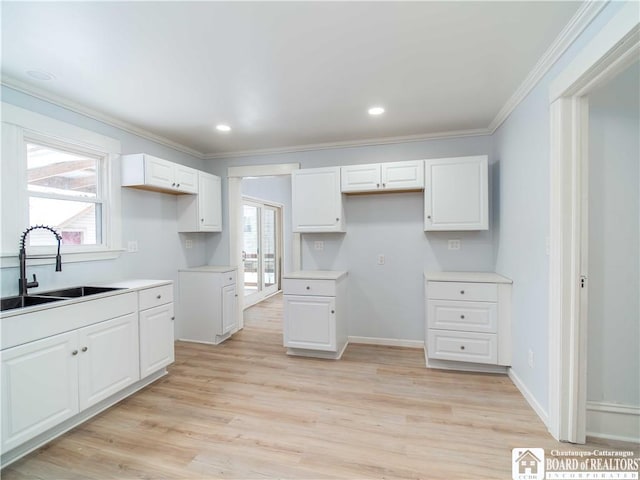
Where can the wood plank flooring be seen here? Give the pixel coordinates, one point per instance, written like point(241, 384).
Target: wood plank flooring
point(244, 409)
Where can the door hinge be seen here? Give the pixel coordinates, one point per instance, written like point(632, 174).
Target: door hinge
point(583, 281)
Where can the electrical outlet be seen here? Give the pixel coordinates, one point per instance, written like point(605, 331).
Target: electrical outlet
point(132, 246)
point(188, 243)
point(454, 244)
point(318, 246)
point(381, 259)
point(530, 359)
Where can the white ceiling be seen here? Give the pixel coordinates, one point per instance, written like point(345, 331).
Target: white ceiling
point(282, 74)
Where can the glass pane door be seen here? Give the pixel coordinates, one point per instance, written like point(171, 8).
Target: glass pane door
point(250, 248)
point(269, 246)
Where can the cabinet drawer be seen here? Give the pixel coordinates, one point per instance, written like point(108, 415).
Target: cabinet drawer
point(475, 292)
point(296, 286)
point(462, 346)
point(463, 316)
point(228, 278)
point(152, 297)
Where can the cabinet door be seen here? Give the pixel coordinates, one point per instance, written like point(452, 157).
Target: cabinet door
point(156, 339)
point(158, 172)
point(109, 359)
point(403, 175)
point(317, 200)
point(186, 179)
point(310, 322)
point(229, 320)
point(209, 203)
point(39, 387)
point(456, 194)
point(360, 178)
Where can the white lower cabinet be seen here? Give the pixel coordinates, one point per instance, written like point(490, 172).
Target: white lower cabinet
point(315, 313)
point(48, 381)
point(208, 304)
point(468, 324)
point(156, 338)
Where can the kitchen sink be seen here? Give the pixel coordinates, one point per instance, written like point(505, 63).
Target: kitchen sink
point(76, 292)
point(10, 303)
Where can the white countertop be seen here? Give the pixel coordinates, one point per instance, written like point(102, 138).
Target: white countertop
point(316, 275)
point(471, 277)
point(209, 268)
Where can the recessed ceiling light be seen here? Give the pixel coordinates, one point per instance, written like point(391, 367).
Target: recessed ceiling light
point(376, 111)
point(40, 75)
point(223, 128)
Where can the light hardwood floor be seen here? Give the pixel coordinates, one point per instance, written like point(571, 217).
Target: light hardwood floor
point(244, 409)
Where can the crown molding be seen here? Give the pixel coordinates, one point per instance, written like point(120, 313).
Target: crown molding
point(581, 20)
point(350, 143)
point(64, 102)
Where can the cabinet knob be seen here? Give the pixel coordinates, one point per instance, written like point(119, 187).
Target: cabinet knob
point(159, 297)
point(429, 217)
point(462, 317)
point(384, 185)
point(377, 185)
point(333, 311)
point(173, 184)
point(177, 185)
point(308, 287)
point(74, 353)
point(84, 349)
point(230, 278)
point(461, 292)
point(337, 219)
point(461, 347)
point(173, 318)
point(202, 219)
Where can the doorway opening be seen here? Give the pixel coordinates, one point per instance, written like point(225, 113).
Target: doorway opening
point(261, 249)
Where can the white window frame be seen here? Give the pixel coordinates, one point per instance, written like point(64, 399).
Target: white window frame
point(20, 126)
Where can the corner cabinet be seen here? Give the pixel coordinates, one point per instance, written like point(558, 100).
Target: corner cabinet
point(315, 323)
point(456, 194)
point(383, 177)
point(202, 212)
point(208, 304)
point(152, 173)
point(468, 321)
point(317, 200)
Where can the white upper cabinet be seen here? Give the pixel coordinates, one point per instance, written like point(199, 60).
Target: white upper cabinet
point(456, 194)
point(202, 212)
point(152, 173)
point(317, 200)
point(383, 177)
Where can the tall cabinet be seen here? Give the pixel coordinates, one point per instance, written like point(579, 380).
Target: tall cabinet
point(208, 304)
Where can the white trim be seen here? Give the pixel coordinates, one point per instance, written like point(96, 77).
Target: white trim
point(581, 20)
point(262, 170)
point(351, 143)
point(622, 28)
point(528, 396)
point(390, 342)
point(95, 114)
point(600, 60)
point(613, 421)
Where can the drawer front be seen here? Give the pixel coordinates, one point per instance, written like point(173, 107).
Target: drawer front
point(473, 292)
point(463, 316)
point(462, 346)
point(296, 286)
point(228, 278)
point(152, 297)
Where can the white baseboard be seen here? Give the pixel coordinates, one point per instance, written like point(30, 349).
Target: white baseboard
point(528, 396)
point(391, 342)
point(613, 421)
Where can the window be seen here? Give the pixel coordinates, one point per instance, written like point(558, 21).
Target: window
point(65, 192)
point(58, 174)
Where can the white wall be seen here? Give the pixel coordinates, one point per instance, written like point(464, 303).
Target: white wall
point(521, 149)
point(613, 367)
point(148, 217)
point(385, 301)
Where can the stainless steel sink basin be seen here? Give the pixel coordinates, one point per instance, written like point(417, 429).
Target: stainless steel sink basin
point(76, 292)
point(10, 303)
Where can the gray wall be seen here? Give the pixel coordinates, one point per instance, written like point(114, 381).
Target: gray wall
point(148, 217)
point(614, 241)
point(385, 301)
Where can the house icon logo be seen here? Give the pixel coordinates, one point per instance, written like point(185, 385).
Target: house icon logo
point(527, 463)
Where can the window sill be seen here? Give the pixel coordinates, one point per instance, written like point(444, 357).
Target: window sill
point(10, 260)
